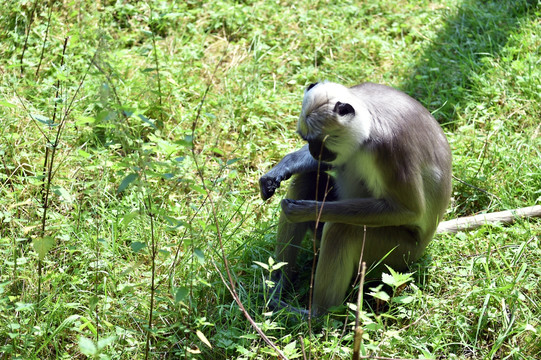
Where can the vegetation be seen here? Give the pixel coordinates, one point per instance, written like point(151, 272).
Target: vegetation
point(133, 135)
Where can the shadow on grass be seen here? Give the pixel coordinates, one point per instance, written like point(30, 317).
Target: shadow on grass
point(442, 78)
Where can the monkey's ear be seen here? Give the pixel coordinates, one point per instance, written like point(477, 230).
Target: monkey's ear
point(311, 86)
point(343, 109)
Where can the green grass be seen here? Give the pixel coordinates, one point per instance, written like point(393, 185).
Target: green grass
point(167, 114)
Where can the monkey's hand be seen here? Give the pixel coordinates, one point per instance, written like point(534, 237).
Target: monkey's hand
point(268, 184)
point(299, 210)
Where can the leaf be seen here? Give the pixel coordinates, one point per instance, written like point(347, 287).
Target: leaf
point(232, 161)
point(289, 348)
point(147, 120)
point(218, 151)
point(43, 245)
point(106, 341)
point(263, 265)
point(203, 338)
point(181, 294)
point(87, 346)
point(187, 141)
point(43, 119)
point(60, 191)
point(199, 255)
point(6, 104)
point(126, 182)
point(129, 217)
point(405, 299)
point(136, 246)
point(396, 279)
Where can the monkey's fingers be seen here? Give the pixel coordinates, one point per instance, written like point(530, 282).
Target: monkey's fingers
point(268, 186)
point(299, 210)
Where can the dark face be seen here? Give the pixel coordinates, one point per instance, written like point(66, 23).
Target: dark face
point(319, 151)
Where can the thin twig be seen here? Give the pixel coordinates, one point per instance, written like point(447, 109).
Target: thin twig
point(46, 36)
point(30, 20)
point(475, 187)
point(156, 64)
point(148, 207)
point(358, 329)
point(314, 240)
point(48, 173)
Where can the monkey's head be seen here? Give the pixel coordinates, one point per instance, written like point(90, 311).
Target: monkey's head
point(333, 121)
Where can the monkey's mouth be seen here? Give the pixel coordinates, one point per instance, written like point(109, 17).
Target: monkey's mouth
point(319, 151)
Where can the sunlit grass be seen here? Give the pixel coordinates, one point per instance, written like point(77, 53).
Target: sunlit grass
point(474, 64)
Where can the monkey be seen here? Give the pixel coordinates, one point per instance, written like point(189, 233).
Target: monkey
point(375, 159)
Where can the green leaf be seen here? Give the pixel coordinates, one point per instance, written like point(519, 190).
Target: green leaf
point(396, 279)
point(377, 293)
point(83, 154)
point(263, 265)
point(60, 191)
point(136, 246)
point(199, 255)
point(181, 294)
point(187, 141)
point(147, 120)
point(126, 182)
point(87, 346)
point(129, 217)
point(232, 161)
point(203, 338)
point(6, 104)
point(43, 245)
point(106, 342)
point(43, 119)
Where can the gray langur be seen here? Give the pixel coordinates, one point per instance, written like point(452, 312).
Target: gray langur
point(391, 166)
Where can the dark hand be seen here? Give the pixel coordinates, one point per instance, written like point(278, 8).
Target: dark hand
point(268, 185)
point(299, 210)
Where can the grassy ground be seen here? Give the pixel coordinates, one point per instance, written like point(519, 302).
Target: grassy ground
point(133, 135)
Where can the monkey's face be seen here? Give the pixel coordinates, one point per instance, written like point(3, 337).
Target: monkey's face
point(332, 123)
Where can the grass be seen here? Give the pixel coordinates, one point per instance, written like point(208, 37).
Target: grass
point(162, 116)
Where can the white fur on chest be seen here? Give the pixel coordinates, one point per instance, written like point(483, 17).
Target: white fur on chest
point(360, 177)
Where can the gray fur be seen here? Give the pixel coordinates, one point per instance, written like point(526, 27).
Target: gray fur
point(393, 174)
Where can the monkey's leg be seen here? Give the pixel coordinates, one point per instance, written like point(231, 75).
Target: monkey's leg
point(341, 247)
point(290, 235)
point(288, 242)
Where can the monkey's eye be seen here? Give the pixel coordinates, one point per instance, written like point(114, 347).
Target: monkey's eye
point(343, 109)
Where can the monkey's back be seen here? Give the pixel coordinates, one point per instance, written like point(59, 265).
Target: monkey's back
point(410, 144)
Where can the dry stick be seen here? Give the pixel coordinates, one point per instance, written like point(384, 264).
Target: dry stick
point(318, 217)
point(156, 64)
point(301, 340)
point(30, 20)
point(150, 213)
point(46, 36)
point(473, 222)
point(48, 173)
point(358, 329)
point(153, 270)
point(230, 288)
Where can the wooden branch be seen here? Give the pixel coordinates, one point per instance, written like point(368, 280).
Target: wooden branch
point(473, 222)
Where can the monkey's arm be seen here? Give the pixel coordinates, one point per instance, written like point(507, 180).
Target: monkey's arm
point(361, 211)
point(296, 162)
